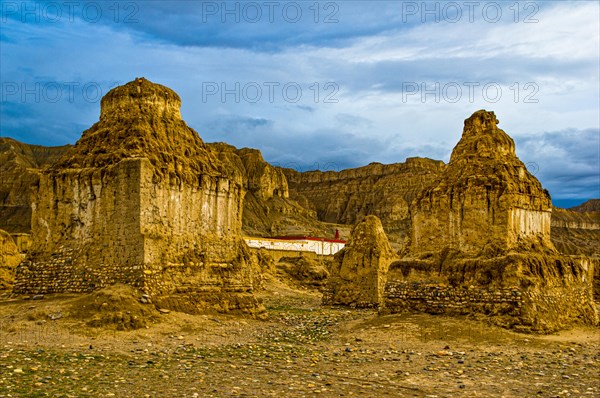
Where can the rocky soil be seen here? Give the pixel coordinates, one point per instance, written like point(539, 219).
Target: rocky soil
point(303, 350)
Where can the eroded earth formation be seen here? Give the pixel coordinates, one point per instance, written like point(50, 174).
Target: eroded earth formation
point(140, 199)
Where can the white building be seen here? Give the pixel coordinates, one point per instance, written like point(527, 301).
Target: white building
point(320, 246)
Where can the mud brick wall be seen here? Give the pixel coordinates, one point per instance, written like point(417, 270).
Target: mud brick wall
point(61, 272)
point(441, 299)
point(548, 306)
point(537, 292)
point(96, 227)
point(86, 231)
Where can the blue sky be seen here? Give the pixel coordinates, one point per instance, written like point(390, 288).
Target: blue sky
point(330, 84)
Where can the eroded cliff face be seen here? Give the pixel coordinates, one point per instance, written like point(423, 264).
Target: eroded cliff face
point(141, 200)
point(576, 232)
point(484, 198)
point(358, 272)
point(385, 191)
point(268, 209)
point(19, 171)
point(10, 257)
point(590, 206)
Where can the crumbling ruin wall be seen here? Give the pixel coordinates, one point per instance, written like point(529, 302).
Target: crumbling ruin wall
point(86, 231)
point(192, 240)
point(140, 200)
point(358, 271)
point(485, 196)
point(481, 243)
point(540, 292)
point(119, 226)
point(10, 257)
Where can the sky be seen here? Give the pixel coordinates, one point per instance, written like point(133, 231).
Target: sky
point(321, 84)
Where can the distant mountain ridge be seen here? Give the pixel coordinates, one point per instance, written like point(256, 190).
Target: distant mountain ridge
point(283, 201)
point(589, 206)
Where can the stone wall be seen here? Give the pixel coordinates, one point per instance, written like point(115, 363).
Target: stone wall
point(66, 270)
point(86, 229)
point(442, 299)
point(542, 292)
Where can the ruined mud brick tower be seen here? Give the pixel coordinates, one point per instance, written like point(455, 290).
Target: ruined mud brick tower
point(358, 271)
point(140, 200)
point(480, 243)
point(485, 197)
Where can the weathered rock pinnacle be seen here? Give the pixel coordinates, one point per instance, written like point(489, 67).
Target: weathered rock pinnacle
point(482, 138)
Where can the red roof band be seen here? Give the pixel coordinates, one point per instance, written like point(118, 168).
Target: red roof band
point(307, 238)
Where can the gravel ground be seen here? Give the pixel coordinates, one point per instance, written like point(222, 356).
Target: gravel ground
point(303, 350)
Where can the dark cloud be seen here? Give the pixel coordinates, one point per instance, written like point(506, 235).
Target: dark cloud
point(567, 162)
point(261, 26)
point(237, 130)
point(371, 53)
point(27, 128)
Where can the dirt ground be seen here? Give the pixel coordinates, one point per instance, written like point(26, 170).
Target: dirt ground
point(302, 350)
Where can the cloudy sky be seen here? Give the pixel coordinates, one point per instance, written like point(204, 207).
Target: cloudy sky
point(330, 84)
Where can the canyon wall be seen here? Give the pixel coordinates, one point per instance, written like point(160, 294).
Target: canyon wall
point(347, 196)
point(576, 232)
point(590, 206)
point(19, 171)
point(268, 209)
